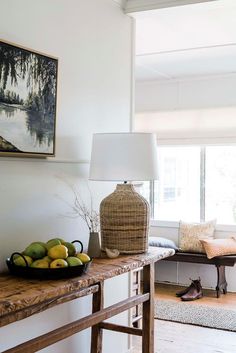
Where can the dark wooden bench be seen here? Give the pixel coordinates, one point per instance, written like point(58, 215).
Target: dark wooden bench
point(219, 262)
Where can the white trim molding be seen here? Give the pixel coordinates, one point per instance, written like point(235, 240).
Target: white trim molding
point(226, 228)
point(145, 5)
point(132, 86)
point(121, 3)
point(45, 160)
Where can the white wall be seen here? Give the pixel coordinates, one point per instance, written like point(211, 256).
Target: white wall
point(92, 40)
point(198, 93)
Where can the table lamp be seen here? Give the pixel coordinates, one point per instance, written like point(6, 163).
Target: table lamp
point(124, 214)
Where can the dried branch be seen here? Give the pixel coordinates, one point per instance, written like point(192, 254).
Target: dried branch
point(87, 214)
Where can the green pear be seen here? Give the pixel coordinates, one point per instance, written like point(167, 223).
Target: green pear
point(52, 242)
point(39, 242)
point(74, 261)
point(60, 239)
point(19, 261)
point(35, 250)
point(41, 263)
point(47, 258)
point(71, 248)
point(83, 257)
point(58, 263)
point(58, 252)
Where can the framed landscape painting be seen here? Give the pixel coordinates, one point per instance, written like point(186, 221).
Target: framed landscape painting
point(28, 94)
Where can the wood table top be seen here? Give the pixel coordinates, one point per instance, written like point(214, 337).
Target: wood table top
point(18, 296)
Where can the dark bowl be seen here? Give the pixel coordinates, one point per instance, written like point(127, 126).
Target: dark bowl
point(46, 273)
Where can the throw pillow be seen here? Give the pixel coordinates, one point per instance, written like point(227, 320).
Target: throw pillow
point(162, 243)
point(219, 247)
point(190, 235)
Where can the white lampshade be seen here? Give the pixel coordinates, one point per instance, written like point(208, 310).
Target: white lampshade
point(123, 157)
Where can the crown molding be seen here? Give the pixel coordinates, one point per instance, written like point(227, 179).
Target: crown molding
point(145, 5)
point(121, 3)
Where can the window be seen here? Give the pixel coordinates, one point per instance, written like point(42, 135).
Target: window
point(195, 184)
point(220, 184)
point(179, 185)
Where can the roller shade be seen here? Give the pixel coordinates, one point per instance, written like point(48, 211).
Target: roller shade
point(197, 126)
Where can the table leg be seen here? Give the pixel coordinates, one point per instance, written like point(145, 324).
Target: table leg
point(148, 310)
point(96, 334)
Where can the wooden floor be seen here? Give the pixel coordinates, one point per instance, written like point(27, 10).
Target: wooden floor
point(167, 292)
point(171, 337)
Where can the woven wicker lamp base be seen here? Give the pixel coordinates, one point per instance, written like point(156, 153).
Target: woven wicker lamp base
point(124, 217)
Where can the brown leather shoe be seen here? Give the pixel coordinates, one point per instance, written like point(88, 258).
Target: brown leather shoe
point(182, 291)
point(194, 292)
point(185, 290)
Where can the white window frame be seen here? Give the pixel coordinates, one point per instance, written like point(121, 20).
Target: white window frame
point(174, 224)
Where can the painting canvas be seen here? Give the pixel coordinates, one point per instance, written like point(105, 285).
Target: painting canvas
point(28, 90)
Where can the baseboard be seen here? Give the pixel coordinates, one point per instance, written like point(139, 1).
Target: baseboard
point(180, 284)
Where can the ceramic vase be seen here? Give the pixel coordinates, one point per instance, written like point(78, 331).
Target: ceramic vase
point(94, 246)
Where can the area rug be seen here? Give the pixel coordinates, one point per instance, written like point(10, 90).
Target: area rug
point(196, 314)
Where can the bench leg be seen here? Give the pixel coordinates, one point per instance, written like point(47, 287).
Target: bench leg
point(221, 280)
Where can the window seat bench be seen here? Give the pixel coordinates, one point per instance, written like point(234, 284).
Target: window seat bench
point(219, 262)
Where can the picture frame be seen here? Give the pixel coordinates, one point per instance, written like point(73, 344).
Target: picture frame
point(28, 102)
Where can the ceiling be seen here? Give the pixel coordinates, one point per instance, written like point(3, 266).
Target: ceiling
point(186, 41)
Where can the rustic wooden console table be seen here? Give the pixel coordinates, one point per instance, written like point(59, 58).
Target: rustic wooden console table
point(21, 298)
